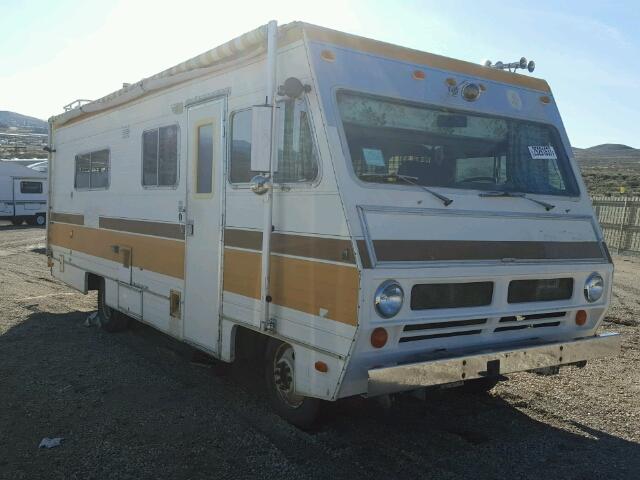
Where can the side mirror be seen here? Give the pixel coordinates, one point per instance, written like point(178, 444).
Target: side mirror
point(261, 127)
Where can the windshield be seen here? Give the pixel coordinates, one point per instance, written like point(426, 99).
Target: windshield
point(444, 148)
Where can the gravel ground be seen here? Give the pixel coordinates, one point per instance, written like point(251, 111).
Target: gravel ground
point(139, 405)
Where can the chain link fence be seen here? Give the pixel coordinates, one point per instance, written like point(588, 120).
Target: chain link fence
point(620, 221)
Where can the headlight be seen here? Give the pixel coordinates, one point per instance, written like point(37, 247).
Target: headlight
point(389, 298)
point(593, 287)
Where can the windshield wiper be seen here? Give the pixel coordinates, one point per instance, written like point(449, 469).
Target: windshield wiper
point(411, 181)
point(547, 206)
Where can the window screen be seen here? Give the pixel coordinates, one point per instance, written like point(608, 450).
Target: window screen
point(297, 158)
point(204, 179)
point(92, 170)
point(160, 157)
point(30, 187)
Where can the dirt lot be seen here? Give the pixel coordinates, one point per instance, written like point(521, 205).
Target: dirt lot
point(136, 405)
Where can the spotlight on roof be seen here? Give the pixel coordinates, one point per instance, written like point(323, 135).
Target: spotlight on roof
point(512, 66)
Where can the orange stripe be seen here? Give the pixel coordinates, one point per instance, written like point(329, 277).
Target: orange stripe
point(148, 253)
point(298, 284)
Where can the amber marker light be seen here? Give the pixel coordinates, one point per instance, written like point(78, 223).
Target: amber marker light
point(546, 100)
point(451, 82)
point(379, 337)
point(581, 317)
point(418, 75)
point(321, 367)
point(328, 55)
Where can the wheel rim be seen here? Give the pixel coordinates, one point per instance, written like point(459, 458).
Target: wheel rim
point(284, 376)
point(40, 220)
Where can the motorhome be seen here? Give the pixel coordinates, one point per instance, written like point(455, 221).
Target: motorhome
point(363, 218)
point(23, 194)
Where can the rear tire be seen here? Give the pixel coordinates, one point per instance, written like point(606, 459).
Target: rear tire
point(111, 320)
point(296, 409)
point(479, 385)
point(17, 221)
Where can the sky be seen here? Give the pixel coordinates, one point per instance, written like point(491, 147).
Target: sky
point(53, 52)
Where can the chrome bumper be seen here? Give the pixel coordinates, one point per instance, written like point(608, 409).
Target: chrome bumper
point(490, 363)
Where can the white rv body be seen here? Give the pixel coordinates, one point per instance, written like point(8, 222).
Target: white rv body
point(186, 258)
point(23, 194)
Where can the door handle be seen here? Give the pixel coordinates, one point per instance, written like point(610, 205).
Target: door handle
point(188, 228)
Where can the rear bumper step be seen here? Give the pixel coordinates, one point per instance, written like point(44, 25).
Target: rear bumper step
point(490, 363)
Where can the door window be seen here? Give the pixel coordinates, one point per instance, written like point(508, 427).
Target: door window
point(204, 173)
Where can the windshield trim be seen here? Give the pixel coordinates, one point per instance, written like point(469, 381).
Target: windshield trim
point(442, 189)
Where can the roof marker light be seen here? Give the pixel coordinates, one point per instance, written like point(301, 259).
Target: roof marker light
point(418, 75)
point(328, 55)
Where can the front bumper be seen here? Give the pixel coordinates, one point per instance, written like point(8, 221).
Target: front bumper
point(490, 363)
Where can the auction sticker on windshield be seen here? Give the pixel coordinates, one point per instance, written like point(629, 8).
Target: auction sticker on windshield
point(542, 152)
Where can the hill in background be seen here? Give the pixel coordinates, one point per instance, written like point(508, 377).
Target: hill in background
point(17, 120)
point(22, 136)
point(606, 168)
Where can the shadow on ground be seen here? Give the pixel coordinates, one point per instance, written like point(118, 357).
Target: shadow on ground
point(140, 405)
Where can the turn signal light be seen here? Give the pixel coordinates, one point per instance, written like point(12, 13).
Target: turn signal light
point(581, 317)
point(321, 367)
point(379, 337)
point(418, 75)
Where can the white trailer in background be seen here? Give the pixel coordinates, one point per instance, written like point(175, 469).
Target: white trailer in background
point(23, 194)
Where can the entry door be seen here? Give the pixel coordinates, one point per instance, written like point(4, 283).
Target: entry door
point(203, 223)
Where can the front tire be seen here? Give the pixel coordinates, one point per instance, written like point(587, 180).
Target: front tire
point(297, 409)
point(111, 320)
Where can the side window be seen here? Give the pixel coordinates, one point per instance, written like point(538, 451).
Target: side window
point(297, 158)
point(160, 157)
point(30, 187)
point(92, 170)
point(240, 158)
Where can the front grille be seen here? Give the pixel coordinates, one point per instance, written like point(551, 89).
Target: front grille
point(428, 296)
point(546, 290)
point(452, 328)
point(535, 320)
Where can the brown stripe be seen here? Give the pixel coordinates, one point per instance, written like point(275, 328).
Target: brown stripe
point(364, 254)
point(423, 58)
point(144, 227)
point(433, 250)
point(319, 248)
point(73, 218)
point(149, 253)
point(298, 284)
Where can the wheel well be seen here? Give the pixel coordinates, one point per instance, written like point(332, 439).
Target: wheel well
point(93, 281)
point(249, 344)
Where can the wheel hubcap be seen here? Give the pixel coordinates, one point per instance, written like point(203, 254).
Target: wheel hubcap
point(284, 375)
